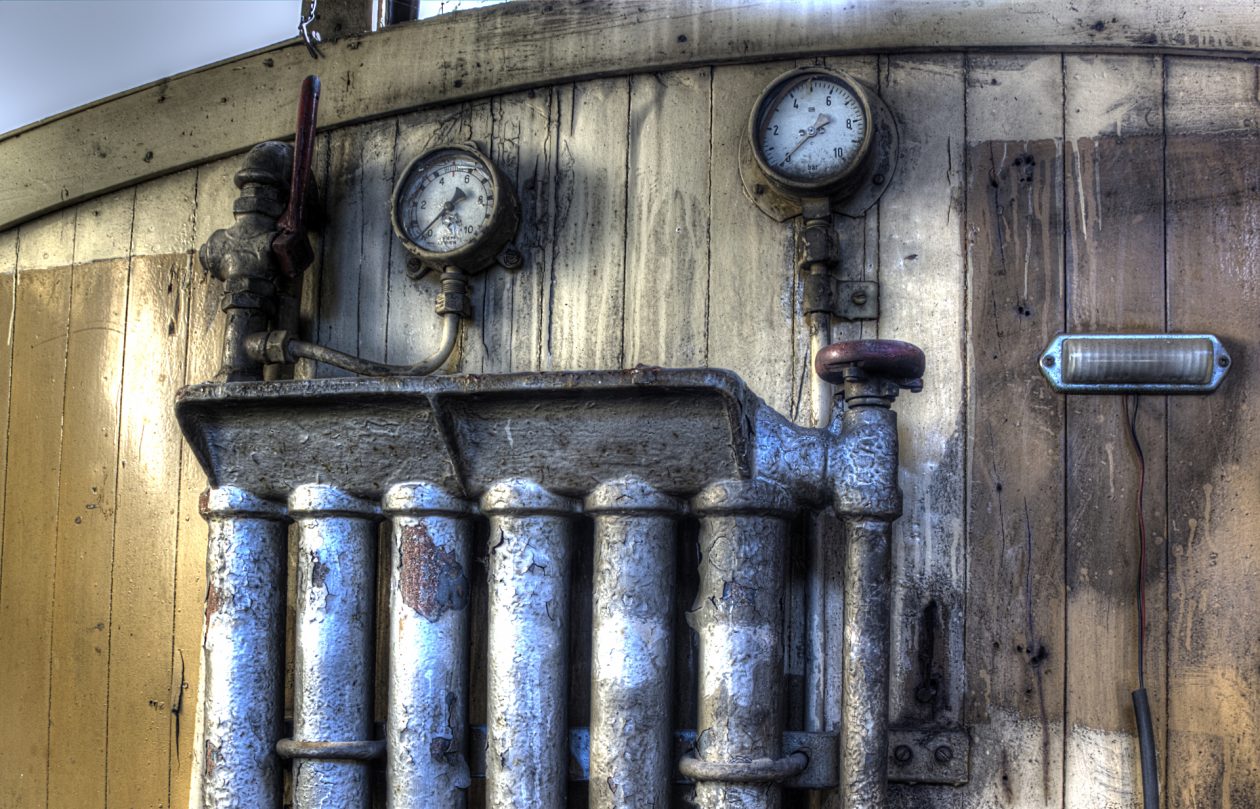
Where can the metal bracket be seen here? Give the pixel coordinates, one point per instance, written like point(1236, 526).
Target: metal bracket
point(819, 748)
point(856, 300)
point(929, 756)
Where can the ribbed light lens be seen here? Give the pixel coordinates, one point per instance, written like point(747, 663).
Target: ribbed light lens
point(1097, 360)
point(1153, 363)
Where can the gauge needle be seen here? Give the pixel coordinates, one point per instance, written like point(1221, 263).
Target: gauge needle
point(455, 199)
point(817, 128)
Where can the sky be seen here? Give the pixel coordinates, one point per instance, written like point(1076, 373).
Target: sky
point(59, 54)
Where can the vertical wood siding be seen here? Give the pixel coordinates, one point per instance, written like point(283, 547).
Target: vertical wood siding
point(1035, 192)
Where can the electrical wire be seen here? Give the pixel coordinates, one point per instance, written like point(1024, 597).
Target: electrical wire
point(1131, 421)
point(1141, 704)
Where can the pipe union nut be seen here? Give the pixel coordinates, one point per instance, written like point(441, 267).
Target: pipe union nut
point(457, 303)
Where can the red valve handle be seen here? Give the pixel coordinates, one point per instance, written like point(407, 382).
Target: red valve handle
point(291, 247)
point(894, 360)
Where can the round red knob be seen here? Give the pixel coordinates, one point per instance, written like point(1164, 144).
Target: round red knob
point(900, 362)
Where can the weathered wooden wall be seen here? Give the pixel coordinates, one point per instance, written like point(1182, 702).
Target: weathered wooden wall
point(1036, 192)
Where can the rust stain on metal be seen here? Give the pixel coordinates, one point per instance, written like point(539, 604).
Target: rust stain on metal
point(213, 600)
point(432, 578)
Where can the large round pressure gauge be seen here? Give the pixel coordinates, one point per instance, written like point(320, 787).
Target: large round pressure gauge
point(453, 208)
point(811, 132)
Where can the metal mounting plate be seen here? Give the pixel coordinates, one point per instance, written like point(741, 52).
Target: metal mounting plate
point(929, 756)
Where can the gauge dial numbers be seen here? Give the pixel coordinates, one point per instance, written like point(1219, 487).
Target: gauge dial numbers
point(451, 208)
point(811, 130)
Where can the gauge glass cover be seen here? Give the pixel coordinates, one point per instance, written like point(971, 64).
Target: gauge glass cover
point(447, 202)
point(813, 130)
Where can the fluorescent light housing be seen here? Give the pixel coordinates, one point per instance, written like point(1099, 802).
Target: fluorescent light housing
point(1135, 363)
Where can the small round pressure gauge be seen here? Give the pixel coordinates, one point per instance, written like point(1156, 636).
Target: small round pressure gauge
point(811, 132)
point(452, 207)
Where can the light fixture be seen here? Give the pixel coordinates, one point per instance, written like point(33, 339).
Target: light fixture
point(1135, 363)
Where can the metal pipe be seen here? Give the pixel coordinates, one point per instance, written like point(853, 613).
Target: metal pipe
point(242, 711)
point(864, 722)
point(426, 727)
point(528, 644)
point(333, 658)
point(631, 752)
point(299, 349)
point(817, 642)
point(739, 620)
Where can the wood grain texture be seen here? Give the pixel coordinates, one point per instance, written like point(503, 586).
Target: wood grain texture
point(587, 278)
point(225, 108)
point(752, 280)
point(39, 327)
point(667, 224)
point(85, 518)
point(1213, 172)
point(141, 691)
point(922, 267)
point(512, 316)
point(1015, 595)
point(1113, 201)
point(8, 288)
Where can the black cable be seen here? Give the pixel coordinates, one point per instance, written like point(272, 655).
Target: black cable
point(1142, 706)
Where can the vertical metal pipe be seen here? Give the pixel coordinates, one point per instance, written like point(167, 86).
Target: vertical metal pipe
point(864, 724)
point(528, 644)
point(631, 753)
point(333, 671)
point(426, 728)
point(242, 713)
point(739, 620)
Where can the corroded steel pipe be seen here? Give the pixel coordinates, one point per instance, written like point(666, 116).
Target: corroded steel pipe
point(528, 644)
point(739, 620)
point(867, 623)
point(336, 598)
point(426, 728)
point(631, 753)
point(243, 705)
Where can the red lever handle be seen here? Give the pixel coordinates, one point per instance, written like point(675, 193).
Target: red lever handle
point(291, 247)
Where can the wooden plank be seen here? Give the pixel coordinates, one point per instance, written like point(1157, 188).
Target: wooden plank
point(357, 242)
point(141, 687)
point(1113, 201)
point(39, 325)
point(923, 276)
point(587, 281)
point(752, 291)
point(8, 288)
point(85, 516)
point(1015, 593)
point(1213, 150)
point(512, 314)
point(226, 108)
point(212, 209)
point(667, 233)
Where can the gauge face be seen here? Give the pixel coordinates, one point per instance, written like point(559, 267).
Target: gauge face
point(445, 202)
point(811, 130)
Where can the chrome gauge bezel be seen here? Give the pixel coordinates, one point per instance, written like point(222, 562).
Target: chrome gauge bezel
point(768, 100)
point(500, 225)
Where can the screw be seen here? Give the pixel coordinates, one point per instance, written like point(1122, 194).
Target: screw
point(511, 258)
point(943, 754)
point(902, 754)
point(858, 297)
point(878, 179)
point(1047, 361)
point(1223, 362)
